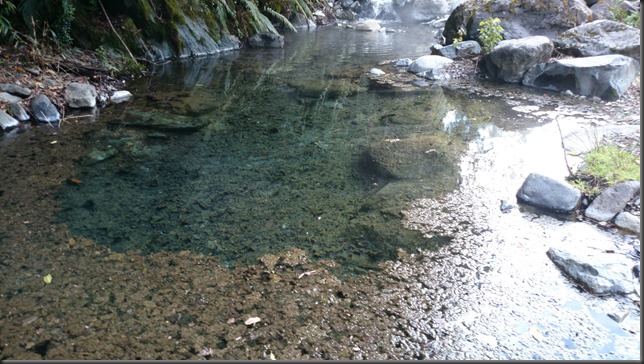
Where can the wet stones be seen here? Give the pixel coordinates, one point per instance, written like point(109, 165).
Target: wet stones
point(612, 200)
point(545, 192)
point(628, 221)
point(43, 110)
point(6, 121)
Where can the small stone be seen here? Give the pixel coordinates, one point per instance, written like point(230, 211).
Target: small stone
point(628, 221)
point(6, 121)
point(252, 321)
point(618, 317)
point(7, 97)
point(15, 89)
point(17, 111)
point(377, 72)
point(403, 62)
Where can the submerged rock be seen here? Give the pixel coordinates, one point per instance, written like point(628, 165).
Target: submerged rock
point(612, 200)
point(161, 121)
point(543, 191)
point(120, 96)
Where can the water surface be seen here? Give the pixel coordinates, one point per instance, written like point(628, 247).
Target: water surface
point(258, 151)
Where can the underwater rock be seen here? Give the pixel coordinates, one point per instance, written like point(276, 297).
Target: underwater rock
point(161, 121)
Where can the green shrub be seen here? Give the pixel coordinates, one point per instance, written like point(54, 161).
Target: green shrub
point(622, 15)
point(491, 33)
point(606, 165)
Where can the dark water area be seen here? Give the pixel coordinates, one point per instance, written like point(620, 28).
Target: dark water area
point(258, 151)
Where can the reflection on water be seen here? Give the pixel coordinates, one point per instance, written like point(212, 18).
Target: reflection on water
point(256, 152)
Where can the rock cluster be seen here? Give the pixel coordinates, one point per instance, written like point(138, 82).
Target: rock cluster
point(77, 95)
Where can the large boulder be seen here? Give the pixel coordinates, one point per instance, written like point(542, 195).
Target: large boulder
point(519, 19)
point(606, 77)
point(612, 200)
point(426, 63)
point(545, 192)
point(510, 59)
point(598, 38)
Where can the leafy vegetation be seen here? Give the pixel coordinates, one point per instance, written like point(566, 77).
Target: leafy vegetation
point(491, 33)
point(622, 15)
point(38, 23)
point(606, 165)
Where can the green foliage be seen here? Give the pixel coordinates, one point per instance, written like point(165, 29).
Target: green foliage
point(491, 33)
point(459, 38)
point(6, 9)
point(606, 165)
point(622, 15)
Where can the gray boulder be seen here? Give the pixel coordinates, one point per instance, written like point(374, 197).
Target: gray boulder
point(15, 89)
point(17, 111)
point(600, 273)
point(612, 200)
point(598, 38)
point(6, 121)
point(266, 40)
point(426, 63)
point(543, 191)
point(519, 19)
point(43, 110)
point(606, 77)
point(80, 95)
point(628, 221)
point(510, 59)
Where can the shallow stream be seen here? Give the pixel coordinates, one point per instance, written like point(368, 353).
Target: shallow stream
point(243, 157)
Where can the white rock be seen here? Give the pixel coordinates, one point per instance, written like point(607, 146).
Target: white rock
point(377, 72)
point(120, 96)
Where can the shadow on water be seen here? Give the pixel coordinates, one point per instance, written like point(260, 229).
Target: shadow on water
point(253, 153)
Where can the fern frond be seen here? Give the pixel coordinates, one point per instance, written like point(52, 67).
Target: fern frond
point(281, 18)
point(260, 22)
point(303, 7)
point(30, 10)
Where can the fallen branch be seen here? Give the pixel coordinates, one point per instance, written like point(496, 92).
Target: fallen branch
point(563, 146)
